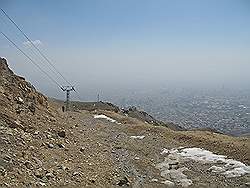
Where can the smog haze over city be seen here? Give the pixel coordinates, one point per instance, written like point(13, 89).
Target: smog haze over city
point(187, 62)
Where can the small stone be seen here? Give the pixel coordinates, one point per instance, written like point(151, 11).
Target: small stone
point(63, 167)
point(16, 124)
point(38, 162)
point(76, 173)
point(49, 175)
point(82, 149)
point(42, 184)
point(19, 110)
point(154, 180)
point(123, 182)
point(43, 144)
point(174, 163)
point(39, 173)
point(52, 119)
point(118, 147)
point(62, 134)
point(36, 132)
point(28, 164)
point(49, 136)
point(7, 158)
point(50, 145)
point(60, 145)
point(2, 171)
point(32, 108)
point(32, 147)
point(19, 100)
point(92, 180)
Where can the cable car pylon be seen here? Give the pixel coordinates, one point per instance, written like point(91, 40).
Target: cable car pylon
point(68, 89)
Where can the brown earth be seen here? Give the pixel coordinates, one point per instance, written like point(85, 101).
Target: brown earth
point(42, 146)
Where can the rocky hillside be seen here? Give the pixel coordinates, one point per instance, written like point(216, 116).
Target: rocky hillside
point(42, 146)
point(18, 98)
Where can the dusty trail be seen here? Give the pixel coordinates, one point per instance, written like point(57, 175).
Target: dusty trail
point(135, 160)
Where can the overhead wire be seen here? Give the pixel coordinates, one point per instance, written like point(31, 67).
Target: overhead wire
point(31, 60)
point(33, 53)
point(40, 52)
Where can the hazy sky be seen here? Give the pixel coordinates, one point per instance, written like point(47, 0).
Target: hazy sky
point(102, 45)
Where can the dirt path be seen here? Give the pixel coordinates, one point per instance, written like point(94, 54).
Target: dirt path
point(135, 152)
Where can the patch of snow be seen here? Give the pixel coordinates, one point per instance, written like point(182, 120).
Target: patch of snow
point(171, 172)
point(216, 169)
point(199, 154)
point(168, 183)
point(236, 172)
point(167, 151)
point(231, 168)
point(228, 167)
point(176, 175)
point(102, 116)
point(137, 137)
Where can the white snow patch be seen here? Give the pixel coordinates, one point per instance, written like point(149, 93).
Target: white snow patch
point(228, 167)
point(168, 183)
point(102, 116)
point(170, 171)
point(216, 169)
point(137, 137)
point(167, 151)
point(199, 154)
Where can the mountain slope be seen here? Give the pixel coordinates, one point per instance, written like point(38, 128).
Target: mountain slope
point(42, 146)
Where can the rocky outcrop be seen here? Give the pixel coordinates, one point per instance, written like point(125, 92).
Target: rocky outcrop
point(144, 116)
point(19, 93)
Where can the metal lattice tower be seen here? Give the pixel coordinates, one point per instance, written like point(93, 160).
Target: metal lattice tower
point(68, 89)
point(98, 97)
